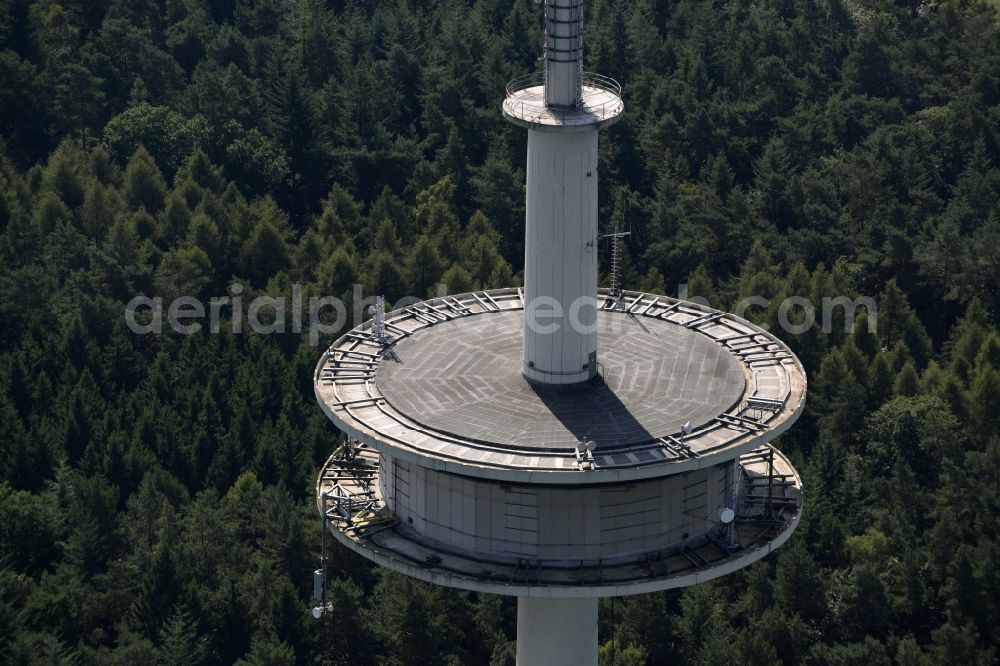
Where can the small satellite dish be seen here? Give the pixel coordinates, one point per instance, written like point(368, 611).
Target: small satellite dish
point(687, 428)
point(580, 448)
point(372, 309)
point(727, 515)
point(317, 612)
point(591, 446)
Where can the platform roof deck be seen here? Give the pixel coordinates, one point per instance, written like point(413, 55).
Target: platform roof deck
point(447, 391)
point(463, 378)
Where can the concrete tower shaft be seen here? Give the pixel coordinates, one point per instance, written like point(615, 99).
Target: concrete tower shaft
point(563, 52)
point(562, 115)
point(556, 632)
point(560, 257)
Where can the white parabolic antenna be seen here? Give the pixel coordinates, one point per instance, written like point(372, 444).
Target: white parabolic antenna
point(727, 515)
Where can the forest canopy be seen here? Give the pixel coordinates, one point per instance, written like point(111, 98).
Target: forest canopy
point(156, 490)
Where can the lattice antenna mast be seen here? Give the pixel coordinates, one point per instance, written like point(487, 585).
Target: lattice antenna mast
point(616, 267)
point(616, 292)
point(377, 311)
point(322, 606)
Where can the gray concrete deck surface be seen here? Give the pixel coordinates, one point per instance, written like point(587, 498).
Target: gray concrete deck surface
point(463, 377)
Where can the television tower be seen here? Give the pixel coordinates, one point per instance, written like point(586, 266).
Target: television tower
point(488, 447)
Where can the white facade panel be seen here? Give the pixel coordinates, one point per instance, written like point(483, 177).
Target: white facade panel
point(387, 478)
point(559, 523)
point(418, 491)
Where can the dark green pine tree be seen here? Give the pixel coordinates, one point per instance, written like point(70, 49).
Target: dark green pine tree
point(799, 586)
point(499, 192)
point(180, 644)
point(291, 119)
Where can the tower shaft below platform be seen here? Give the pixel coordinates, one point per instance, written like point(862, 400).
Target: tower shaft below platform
point(556, 632)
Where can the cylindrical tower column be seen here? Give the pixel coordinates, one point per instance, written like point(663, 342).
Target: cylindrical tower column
point(560, 257)
point(556, 632)
point(563, 52)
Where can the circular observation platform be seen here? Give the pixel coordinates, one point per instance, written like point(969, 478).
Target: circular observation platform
point(447, 393)
point(600, 106)
point(463, 378)
point(352, 494)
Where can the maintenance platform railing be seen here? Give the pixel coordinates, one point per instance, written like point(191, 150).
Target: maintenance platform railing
point(600, 100)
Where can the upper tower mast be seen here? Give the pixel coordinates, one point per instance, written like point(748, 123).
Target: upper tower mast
point(563, 52)
point(562, 110)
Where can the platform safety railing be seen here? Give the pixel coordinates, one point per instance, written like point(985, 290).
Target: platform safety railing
point(531, 109)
